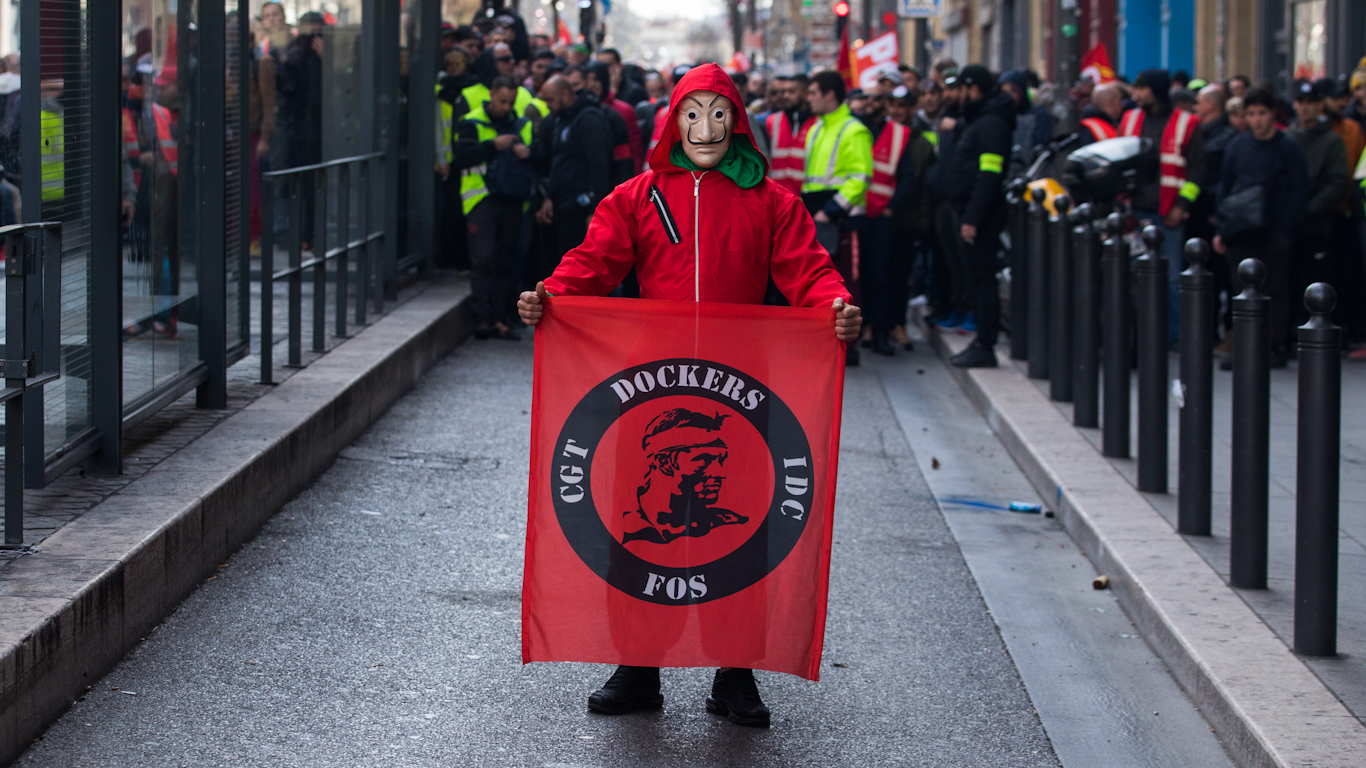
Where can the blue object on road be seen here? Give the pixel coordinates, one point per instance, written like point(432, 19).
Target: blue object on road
point(954, 320)
point(1024, 506)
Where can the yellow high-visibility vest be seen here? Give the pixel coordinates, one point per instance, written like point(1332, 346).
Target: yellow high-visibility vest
point(839, 156)
point(473, 188)
point(53, 135)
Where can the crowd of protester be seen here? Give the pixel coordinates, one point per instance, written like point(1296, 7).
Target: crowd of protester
point(905, 180)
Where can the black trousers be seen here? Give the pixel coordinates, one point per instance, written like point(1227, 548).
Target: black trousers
point(452, 251)
point(571, 226)
point(979, 264)
point(886, 268)
point(495, 226)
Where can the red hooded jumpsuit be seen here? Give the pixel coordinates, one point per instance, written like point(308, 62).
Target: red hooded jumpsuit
point(702, 238)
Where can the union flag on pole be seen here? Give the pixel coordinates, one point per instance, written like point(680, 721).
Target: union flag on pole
point(683, 461)
point(1096, 65)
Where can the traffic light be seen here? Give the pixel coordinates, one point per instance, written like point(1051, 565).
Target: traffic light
point(841, 17)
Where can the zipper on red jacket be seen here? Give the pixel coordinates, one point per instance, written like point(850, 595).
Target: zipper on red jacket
point(696, 248)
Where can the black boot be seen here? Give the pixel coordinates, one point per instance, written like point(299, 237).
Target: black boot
point(975, 356)
point(735, 696)
point(627, 690)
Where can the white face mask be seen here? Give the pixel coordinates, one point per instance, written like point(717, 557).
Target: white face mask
point(705, 122)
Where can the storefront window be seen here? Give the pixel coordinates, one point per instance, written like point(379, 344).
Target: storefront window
point(1311, 38)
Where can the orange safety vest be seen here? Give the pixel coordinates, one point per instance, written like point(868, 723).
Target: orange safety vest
point(787, 151)
point(166, 136)
point(132, 148)
point(1171, 158)
point(1101, 129)
point(891, 143)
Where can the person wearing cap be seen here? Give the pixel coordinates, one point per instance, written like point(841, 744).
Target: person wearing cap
point(943, 70)
point(888, 81)
point(703, 224)
point(470, 39)
point(975, 195)
point(787, 127)
point(1357, 109)
point(874, 114)
point(1180, 151)
point(1330, 177)
point(1336, 96)
point(898, 208)
point(447, 38)
point(856, 100)
point(839, 165)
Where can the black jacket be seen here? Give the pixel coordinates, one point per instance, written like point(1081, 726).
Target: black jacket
point(623, 165)
point(975, 194)
point(574, 150)
point(1278, 165)
point(911, 204)
point(1329, 177)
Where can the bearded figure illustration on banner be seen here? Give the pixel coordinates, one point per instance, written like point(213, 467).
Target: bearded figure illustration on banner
point(682, 486)
point(684, 445)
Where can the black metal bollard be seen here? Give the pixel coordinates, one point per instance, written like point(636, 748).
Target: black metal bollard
point(1151, 313)
point(1037, 328)
point(1115, 301)
point(1085, 317)
point(1060, 305)
point(1019, 272)
point(1316, 476)
point(1196, 454)
point(1251, 429)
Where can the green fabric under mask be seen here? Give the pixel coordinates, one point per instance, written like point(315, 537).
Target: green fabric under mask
point(742, 163)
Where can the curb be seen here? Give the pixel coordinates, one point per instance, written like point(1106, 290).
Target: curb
point(70, 612)
point(1266, 706)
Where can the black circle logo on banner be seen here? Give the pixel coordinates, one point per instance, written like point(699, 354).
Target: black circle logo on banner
point(726, 490)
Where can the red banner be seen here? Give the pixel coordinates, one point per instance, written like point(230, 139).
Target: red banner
point(683, 461)
point(1095, 64)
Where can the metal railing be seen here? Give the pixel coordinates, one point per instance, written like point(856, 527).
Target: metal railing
point(33, 276)
point(296, 181)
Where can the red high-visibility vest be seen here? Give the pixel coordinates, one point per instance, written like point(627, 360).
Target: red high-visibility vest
point(787, 151)
point(132, 148)
point(166, 136)
point(1172, 159)
point(1101, 129)
point(891, 143)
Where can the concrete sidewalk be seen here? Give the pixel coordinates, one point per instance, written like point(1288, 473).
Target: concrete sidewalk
point(1224, 646)
point(101, 581)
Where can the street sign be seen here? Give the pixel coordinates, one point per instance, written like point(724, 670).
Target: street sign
point(919, 9)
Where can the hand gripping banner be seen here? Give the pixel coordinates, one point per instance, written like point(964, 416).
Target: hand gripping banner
point(683, 461)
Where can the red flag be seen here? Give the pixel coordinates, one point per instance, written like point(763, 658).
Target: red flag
point(846, 65)
point(1096, 65)
point(683, 461)
point(562, 33)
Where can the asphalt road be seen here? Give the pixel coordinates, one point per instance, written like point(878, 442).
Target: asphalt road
point(375, 621)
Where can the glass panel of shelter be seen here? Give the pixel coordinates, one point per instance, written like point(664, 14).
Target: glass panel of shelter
point(160, 232)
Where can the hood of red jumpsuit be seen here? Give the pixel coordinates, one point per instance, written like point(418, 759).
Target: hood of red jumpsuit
point(708, 77)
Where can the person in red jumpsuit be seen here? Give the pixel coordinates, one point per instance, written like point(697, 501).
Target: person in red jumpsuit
point(705, 223)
